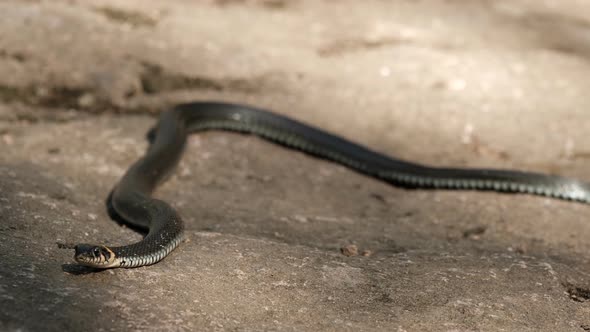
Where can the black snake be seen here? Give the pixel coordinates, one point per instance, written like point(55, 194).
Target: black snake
point(131, 199)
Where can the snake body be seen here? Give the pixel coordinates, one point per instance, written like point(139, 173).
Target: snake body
point(131, 199)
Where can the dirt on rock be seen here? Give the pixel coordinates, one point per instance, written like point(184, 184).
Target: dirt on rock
point(278, 240)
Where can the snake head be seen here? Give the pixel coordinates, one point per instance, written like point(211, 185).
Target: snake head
point(96, 256)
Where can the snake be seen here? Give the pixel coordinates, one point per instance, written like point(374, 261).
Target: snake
point(132, 200)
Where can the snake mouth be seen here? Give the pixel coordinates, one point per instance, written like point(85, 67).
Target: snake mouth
point(96, 256)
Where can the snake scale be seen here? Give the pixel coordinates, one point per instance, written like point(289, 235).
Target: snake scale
point(131, 199)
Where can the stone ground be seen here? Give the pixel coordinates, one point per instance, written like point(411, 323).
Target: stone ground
point(500, 84)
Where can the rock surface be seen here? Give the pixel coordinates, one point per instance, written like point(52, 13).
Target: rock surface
point(278, 240)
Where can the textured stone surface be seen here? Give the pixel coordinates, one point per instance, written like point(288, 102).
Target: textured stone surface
point(500, 84)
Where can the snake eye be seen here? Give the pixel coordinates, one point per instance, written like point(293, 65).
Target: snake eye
point(96, 252)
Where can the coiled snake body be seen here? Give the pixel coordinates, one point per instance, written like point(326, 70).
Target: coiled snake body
point(131, 199)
